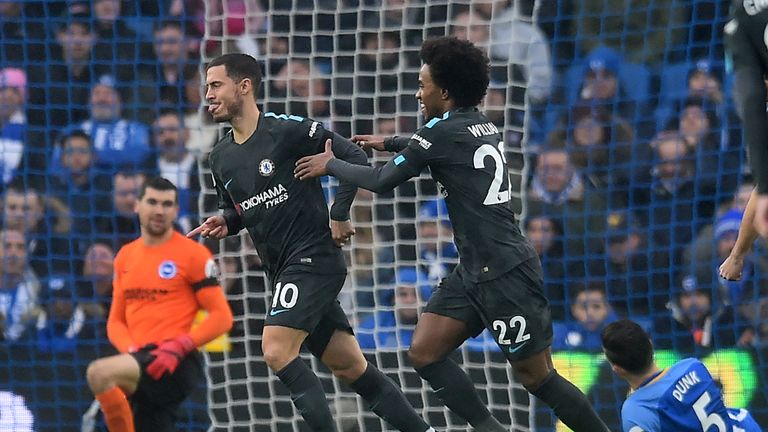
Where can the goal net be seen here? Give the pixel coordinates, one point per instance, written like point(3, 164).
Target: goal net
point(355, 69)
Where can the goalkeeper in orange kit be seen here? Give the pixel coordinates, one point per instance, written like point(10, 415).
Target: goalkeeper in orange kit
point(161, 281)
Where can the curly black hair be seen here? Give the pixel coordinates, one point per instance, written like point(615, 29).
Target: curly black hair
point(459, 67)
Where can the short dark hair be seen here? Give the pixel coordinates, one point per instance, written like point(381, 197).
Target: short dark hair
point(590, 286)
point(78, 133)
point(459, 67)
point(160, 184)
point(627, 345)
point(172, 23)
point(238, 67)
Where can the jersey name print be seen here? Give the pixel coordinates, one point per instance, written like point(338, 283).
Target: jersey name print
point(684, 398)
point(465, 154)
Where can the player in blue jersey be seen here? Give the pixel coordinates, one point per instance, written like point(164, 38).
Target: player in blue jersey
point(681, 398)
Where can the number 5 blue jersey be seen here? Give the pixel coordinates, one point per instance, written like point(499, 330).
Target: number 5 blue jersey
point(683, 398)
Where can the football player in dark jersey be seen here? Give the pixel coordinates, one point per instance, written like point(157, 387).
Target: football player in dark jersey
point(498, 282)
point(745, 38)
point(287, 219)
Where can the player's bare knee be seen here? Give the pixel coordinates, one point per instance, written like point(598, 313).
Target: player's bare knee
point(530, 378)
point(98, 376)
point(276, 356)
point(348, 372)
point(420, 358)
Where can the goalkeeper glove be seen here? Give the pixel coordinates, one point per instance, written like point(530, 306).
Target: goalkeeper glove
point(168, 355)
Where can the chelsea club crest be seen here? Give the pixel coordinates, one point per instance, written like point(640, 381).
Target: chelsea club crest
point(266, 167)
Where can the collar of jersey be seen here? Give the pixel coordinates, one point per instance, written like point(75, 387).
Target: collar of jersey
point(655, 377)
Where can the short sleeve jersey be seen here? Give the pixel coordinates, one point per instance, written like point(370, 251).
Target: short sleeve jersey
point(683, 398)
point(464, 152)
point(287, 218)
point(157, 285)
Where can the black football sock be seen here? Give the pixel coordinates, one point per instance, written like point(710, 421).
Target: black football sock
point(387, 401)
point(454, 388)
point(308, 395)
point(569, 404)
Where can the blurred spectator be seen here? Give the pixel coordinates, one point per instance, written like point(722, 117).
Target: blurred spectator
point(603, 86)
point(59, 321)
point(116, 42)
point(46, 224)
point(121, 226)
point(97, 273)
point(13, 122)
point(19, 286)
point(117, 142)
point(600, 146)
point(546, 235)
point(82, 188)
point(203, 132)
point(469, 25)
point(59, 89)
point(695, 322)
point(494, 104)
point(306, 93)
point(175, 163)
point(22, 33)
point(558, 188)
point(524, 45)
point(393, 327)
point(668, 203)
point(437, 252)
point(631, 268)
point(163, 82)
point(591, 312)
point(633, 27)
point(717, 164)
point(237, 21)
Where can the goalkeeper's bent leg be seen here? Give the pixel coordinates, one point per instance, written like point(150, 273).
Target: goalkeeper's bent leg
point(387, 401)
point(117, 412)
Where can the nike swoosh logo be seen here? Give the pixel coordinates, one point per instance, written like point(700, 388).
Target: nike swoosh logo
point(278, 312)
point(517, 348)
point(227, 183)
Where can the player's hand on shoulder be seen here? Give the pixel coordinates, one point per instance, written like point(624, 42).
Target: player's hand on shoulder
point(342, 232)
point(730, 269)
point(213, 227)
point(375, 142)
point(314, 166)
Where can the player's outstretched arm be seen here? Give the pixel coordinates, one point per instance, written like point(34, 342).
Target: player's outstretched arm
point(732, 266)
point(379, 180)
point(345, 195)
point(392, 144)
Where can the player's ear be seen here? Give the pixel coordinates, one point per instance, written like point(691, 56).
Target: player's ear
point(245, 85)
point(444, 94)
